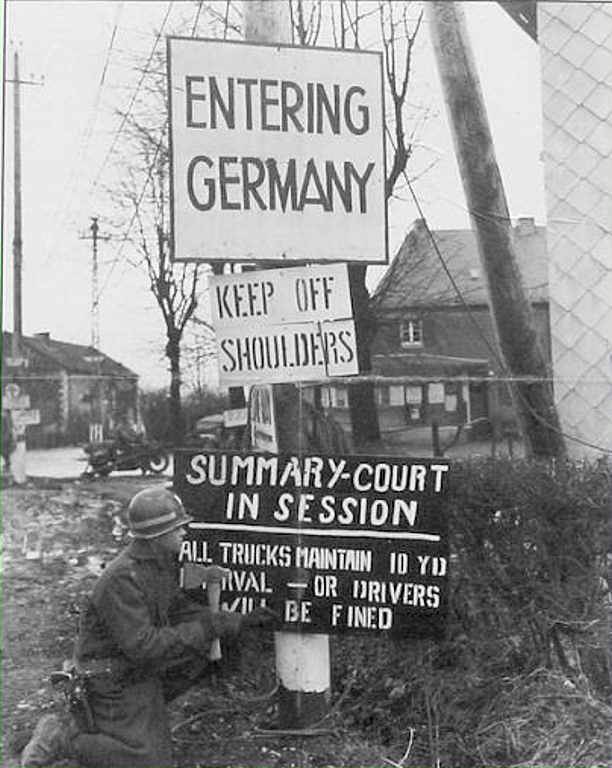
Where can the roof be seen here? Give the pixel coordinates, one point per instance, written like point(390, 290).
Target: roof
point(73, 358)
point(416, 278)
point(525, 13)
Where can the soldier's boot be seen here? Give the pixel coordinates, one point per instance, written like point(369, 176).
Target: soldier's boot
point(51, 741)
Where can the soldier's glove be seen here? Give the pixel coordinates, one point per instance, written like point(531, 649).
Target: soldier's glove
point(260, 618)
point(226, 624)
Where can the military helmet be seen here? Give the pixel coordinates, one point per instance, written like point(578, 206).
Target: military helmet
point(155, 511)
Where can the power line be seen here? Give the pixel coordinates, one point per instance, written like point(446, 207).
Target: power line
point(126, 114)
point(134, 215)
point(496, 356)
point(197, 18)
point(86, 138)
point(151, 164)
point(111, 43)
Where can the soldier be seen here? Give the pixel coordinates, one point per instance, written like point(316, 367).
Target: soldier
point(141, 643)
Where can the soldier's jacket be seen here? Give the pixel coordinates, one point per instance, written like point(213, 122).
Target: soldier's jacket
point(138, 616)
point(139, 623)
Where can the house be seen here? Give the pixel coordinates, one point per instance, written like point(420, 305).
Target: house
point(435, 340)
point(71, 385)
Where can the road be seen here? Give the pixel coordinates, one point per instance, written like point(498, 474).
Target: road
point(70, 462)
point(64, 463)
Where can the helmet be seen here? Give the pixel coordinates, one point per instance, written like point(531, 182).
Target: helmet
point(155, 511)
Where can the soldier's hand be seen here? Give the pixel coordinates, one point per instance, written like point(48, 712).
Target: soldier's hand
point(260, 618)
point(226, 624)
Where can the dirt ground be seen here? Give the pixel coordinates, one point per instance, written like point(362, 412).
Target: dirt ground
point(55, 537)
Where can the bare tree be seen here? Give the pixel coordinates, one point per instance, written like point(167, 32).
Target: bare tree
point(141, 200)
point(399, 25)
point(142, 194)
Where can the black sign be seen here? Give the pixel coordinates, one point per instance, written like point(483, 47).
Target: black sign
point(333, 544)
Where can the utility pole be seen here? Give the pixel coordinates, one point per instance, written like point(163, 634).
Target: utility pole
point(510, 307)
point(96, 431)
point(18, 459)
point(302, 661)
point(95, 289)
point(17, 241)
point(17, 238)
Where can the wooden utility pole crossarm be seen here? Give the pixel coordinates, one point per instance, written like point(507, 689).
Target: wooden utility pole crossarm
point(510, 307)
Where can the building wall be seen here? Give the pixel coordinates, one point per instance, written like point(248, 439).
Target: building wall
point(451, 331)
point(576, 54)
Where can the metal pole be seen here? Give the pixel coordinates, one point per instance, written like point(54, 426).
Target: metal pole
point(302, 661)
point(510, 308)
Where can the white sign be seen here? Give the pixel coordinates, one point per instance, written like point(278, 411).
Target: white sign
point(26, 418)
point(263, 419)
point(284, 325)
point(277, 152)
point(235, 417)
point(11, 390)
point(16, 362)
point(292, 352)
point(19, 402)
point(276, 296)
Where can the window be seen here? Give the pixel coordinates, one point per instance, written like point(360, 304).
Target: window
point(414, 395)
point(339, 397)
point(382, 395)
point(435, 393)
point(411, 332)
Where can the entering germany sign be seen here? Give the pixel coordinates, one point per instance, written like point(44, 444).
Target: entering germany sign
point(277, 152)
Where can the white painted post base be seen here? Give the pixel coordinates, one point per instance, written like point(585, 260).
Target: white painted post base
point(18, 462)
point(303, 670)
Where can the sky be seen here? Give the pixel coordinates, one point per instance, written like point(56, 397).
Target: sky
point(86, 52)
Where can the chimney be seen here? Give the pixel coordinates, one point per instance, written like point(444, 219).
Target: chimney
point(525, 226)
point(45, 335)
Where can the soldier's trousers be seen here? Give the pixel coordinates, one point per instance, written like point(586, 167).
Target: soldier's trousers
point(131, 718)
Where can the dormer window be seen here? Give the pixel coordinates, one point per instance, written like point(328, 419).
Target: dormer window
point(411, 332)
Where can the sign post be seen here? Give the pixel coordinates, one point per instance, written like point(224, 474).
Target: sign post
point(18, 404)
point(278, 156)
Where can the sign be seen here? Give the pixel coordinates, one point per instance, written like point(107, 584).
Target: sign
point(235, 417)
point(20, 402)
point(282, 353)
point(333, 544)
point(284, 325)
point(262, 419)
point(16, 362)
point(277, 296)
point(12, 390)
point(277, 152)
point(26, 418)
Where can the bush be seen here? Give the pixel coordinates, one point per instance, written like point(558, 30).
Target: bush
point(155, 410)
point(523, 676)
